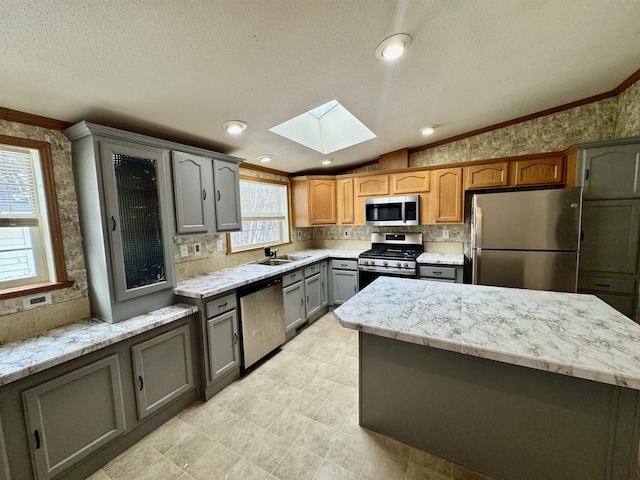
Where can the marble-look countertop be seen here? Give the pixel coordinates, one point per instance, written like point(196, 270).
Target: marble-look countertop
point(566, 333)
point(24, 357)
point(441, 258)
point(227, 279)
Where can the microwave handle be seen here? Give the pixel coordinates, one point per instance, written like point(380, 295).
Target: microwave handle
point(403, 212)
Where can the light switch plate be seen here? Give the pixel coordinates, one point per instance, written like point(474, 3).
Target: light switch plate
point(445, 234)
point(184, 250)
point(197, 249)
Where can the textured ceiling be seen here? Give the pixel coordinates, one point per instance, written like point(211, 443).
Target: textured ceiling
point(180, 68)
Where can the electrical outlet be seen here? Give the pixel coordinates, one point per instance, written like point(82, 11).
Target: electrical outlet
point(346, 234)
point(36, 300)
point(184, 251)
point(197, 249)
point(445, 234)
point(299, 234)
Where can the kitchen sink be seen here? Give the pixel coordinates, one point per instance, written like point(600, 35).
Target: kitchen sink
point(294, 257)
point(273, 261)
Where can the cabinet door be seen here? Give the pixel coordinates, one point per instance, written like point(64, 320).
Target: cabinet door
point(294, 311)
point(313, 294)
point(324, 284)
point(322, 202)
point(163, 369)
point(372, 185)
point(193, 192)
point(224, 354)
point(610, 236)
point(411, 182)
point(612, 172)
point(538, 172)
point(448, 195)
point(226, 179)
point(346, 214)
point(4, 459)
point(74, 415)
point(135, 181)
point(345, 285)
point(487, 175)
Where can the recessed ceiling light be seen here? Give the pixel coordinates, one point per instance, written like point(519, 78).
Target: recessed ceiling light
point(393, 47)
point(327, 161)
point(428, 130)
point(265, 158)
point(234, 127)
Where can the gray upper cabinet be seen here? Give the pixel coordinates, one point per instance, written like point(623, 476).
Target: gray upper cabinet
point(194, 194)
point(611, 172)
point(163, 369)
point(226, 178)
point(73, 415)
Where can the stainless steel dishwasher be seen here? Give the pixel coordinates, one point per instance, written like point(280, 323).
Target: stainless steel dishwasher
point(261, 319)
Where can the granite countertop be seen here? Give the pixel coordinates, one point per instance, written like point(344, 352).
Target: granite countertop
point(441, 258)
point(22, 358)
point(221, 281)
point(566, 333)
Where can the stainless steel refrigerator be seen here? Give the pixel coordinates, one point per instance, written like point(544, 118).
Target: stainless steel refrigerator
point(527, 239)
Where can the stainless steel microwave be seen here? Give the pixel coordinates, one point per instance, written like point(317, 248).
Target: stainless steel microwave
point(392, 211)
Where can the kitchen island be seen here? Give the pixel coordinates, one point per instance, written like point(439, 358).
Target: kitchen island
point(517, 384)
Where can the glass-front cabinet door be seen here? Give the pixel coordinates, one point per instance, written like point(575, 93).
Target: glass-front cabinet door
point(135, 183)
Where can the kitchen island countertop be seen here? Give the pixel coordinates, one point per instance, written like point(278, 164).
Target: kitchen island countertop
point(571, 334)
point(441, 258)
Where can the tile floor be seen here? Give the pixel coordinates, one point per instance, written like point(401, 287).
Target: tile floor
point(295, 417)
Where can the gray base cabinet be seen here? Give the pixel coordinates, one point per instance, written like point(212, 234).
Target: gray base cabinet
point(4, 459)
point(441, 273)
point(224, 354)
point(344, 280)
point(324, 284)
point(313, 294)
point(294, 311)
point(60, 435)
point(163, 369)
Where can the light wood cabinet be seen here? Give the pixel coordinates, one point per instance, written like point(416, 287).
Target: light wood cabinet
point(410, 182)
point(372, 186)
point(447, 199)
point(538, 171)
point(486, 175)
point(314, 201)
point(344, 200)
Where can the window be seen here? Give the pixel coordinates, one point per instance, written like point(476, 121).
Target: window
point(31, 257)
point(265, 214)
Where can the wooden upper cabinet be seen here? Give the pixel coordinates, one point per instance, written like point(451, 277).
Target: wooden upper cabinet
point(313, 201)
point(410, 182)
point(394, 160)
point(344, 197)
point(538, 171)
point(487, 175)
point(372, 186)
point(448, 203)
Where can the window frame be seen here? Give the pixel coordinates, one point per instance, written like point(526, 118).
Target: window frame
point(53, 218)
point(250, 178)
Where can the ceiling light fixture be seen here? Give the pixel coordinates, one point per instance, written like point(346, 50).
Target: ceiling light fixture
point(265, 158)
point(327, 161)
point(428, 130)
point(393, 47)
point(234, 127)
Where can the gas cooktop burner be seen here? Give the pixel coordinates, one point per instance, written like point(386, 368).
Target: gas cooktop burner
point(390, 254)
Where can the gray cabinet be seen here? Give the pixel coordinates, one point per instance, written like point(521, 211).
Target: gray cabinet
point(344, 280)
point(313, 294)
point(163, 370)
point(222, 337)
point(324, 284)
point(226, 178)
point(60, 435)
point(4, 459)
point(612, 171)
point(294, 308)
point(441, 273)
point(194, 194)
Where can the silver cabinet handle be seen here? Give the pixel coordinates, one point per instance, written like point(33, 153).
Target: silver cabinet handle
point(219, 195)
point(141, 382)
point(301, 301)
point(235, 338)
point(223, 305)
point(204, 194)
point(113, 224)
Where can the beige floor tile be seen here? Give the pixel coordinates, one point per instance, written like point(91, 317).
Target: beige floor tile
point(162, 469)
point(214, 464)
point(283, 394)
point(278, 372)
point(306, 404)
point(330, 471)
point(132, 462)
point(345, 395)
point(289, 425)
point(330, 371)
point(219, 424)
point(268, 451)
point(298, 379)
point(185, 476)
point(243, 403)
point(417, 472)
point(241, 436)
point(99, 475)
point(261, 386)
point(428, 460)
point(317, 438)
point(245, 470)
point(392, 446)
point(380, 464)
point(186, 452)
point(298, 464)
point(321, 387)
point(348, 453)
point(225, 396)
point(264, 413)
point(168, 435)
point(198, 413)
point(332, 414)
point(462, 473)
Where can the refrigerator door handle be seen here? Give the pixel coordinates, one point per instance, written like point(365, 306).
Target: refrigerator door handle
point(475, 272)
point(477, 238)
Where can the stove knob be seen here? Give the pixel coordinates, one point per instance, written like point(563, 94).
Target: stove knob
point(372, 262)
point(384, 264)
point(398, 264)
point(406, 265)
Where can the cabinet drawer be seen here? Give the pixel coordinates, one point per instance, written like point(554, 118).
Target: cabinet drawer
point(601, 284)
point(291, 278)
point(311, 270)
point(448, 273)
point(220, 305)
point(344, 264)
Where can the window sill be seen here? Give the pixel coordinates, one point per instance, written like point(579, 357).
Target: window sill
point(257, 248)
point(34, 289)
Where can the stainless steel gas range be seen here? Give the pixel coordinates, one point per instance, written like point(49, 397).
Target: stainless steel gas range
point(391, 254)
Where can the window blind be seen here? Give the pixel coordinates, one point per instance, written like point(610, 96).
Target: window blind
point(18, 195)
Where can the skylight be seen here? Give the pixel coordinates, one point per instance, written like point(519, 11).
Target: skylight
point(325, 129)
